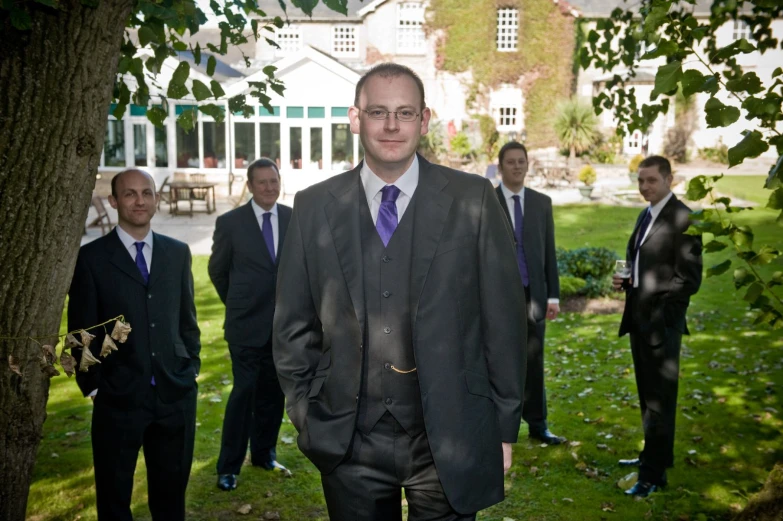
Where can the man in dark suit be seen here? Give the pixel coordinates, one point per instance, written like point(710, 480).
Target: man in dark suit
point(243, 268)
point(530, 215)
point(145, 392)
point(399, 331)
point(666, 267)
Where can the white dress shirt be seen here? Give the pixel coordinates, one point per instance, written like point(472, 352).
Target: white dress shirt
point(373, 184)
point(272, 219)
point(655, 211)
point(130, 245)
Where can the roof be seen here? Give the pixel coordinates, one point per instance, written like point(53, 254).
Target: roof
point(223, 71)
point(603, 8)
point(321, 12)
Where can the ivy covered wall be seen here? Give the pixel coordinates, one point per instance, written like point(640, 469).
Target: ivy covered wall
point(541, 66)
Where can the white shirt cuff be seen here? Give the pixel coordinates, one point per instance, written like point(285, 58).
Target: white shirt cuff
point(553, 301)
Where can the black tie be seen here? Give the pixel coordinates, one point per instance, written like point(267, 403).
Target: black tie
point(642, 230)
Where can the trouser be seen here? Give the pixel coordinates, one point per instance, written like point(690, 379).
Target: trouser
point(534, 411)
point(367, 485)
point(254, 410)
point(166, 431)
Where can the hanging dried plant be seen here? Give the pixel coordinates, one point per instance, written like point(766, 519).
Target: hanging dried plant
point(88, 359)
point(68, 363)
point(71, 342)
point(49, 355)
point(120, 331)
point(86, 338)
point(108, 346)
point(13, 363)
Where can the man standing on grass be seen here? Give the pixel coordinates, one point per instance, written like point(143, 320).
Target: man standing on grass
point(400, 326)
point(666, 268)
point(243, 268)
point(145, 392)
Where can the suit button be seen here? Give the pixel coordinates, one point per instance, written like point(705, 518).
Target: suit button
point(386, 258)
point(149, 296)
point(152, 324)
point(386, 294)
point(387, 330)
point(153, 354)
point(357, 397)
point(387, 366)
point(388, 401)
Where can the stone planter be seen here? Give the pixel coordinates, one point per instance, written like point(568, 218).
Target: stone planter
point(586, 191)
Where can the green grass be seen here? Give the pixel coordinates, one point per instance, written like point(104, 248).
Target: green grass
point(746, 187)
point(730, 394)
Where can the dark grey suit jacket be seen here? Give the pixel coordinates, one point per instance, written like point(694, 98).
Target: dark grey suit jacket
point(165, 337)
point(467, 315)
point(538, 235)
point(244, 275)
point(670, 267)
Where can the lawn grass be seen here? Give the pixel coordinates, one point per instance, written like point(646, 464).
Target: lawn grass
point(730, 385)
point(746, 187)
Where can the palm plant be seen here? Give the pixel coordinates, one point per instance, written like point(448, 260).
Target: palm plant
point(576, 127)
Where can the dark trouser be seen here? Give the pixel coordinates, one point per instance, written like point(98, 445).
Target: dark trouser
point(367, 485)
point(166, 431)
point(657, 373)
point(534, 404)
point(254, 410)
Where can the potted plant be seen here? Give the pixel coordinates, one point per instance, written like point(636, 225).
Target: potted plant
point(633, 168)
point(587, 175)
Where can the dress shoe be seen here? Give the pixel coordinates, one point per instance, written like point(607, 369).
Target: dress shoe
point(547, 437)
point(277, 467)
point(642, 489)
point(227, 482)
point(635, 462)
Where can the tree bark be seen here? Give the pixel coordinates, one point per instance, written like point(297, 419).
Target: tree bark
point(55, 88)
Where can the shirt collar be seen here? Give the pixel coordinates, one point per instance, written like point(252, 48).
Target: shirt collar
point(508, 194)
point(129, 242)
point(260, 211)
point(656, 209)
point(407, 182)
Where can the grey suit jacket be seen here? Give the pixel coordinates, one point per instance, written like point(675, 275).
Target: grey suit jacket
point(538, 235)
point(244, 274)
point(468, 326)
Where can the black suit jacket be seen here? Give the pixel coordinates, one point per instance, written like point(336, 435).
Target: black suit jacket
point(164, 340)
point(538, 235)
point(670, 267)
point(468, 317)
point(244, 275)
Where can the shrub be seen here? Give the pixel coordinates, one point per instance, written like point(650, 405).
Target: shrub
point(594, 265)
point(633, 164)
point(717, 154)
point(571, 286)
point(587, 175)
point(460, 145)
point(606, 149)
point(576, 126)
point(675, 146)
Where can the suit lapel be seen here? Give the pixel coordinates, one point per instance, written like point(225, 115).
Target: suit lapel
point(528, 229)
point(283, 218)
point(342, 214)
point(662, 218)
point(158, 258)
point(430, 213)
point(503, 203)
point(121, 259)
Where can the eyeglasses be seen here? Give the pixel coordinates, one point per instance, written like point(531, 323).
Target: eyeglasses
point(406, 115)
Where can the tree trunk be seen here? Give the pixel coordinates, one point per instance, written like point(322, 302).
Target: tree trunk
point(55, 88)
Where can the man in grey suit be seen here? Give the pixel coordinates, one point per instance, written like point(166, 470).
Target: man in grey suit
point(243, 268)
point(530, 215)
point(399, 323)
point(666, 270)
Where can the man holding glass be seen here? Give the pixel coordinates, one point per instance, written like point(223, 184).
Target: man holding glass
point(663, 269)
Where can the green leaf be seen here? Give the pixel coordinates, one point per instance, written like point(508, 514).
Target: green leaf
point(714, 246)
point(197, 54)
point(217, 90)
point(692, 82)
point(666, 78)
point(775, 177)
point(181, 73)
point(664, 48)
point(764, 256)
point(200, 90)
point(777, 72)
point(754, 291)
point(749, 82)
point(776, 279)
point(752, 145)
point(239, 104)
point(306, 6)
point(776, 199)
point(696, 189)
point(720, 115)
point(122, 101)
point(177, 91)
point(179, 46)
point(147, 35)
point(711, 84)
point(742, 277)
point(216, 111)
point(733, 49)
point(766, 107)
point(742, 236)
point(20, 19)
point(187, 120)
point(211, 64)
point(157, 116)
point(340, 6)
point(719, 269)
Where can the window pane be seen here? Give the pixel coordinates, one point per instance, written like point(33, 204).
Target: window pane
point(269, 134)
point(339, 112)
point(187, 148)
point(294, 112)
point(161, 147)
point(342, 147)
point(316, 147)
point(138, 110)
point(244, 144)
point(263, 112)
point(296, 147)
point(140, 145)
point(214, 145)
point(316, 112)
point(114, 144)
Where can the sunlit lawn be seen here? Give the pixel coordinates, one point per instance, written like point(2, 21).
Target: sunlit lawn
point(728, 426)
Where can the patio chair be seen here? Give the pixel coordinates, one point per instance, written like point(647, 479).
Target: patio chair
point(164, 193)
point(199, 194)
point(103, 220)
point(178, 195)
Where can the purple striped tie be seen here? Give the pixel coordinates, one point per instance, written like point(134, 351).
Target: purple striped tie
point(387, 213)
point(521, 260)
point(269, 238)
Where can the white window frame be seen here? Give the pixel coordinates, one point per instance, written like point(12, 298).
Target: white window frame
point(740, 29)
point(507, 37)
point(289, 38)
point(507, 118)
point(410, 28)
point(345, 40)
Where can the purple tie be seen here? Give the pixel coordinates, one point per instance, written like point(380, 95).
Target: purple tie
point(387, 213)
point(521, 261)
point(141, 263)
point(269, 238)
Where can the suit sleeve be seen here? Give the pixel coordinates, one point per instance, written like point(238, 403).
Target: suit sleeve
point(220, 260)
point(297, 332)
point(687, 261)
point(188, 324)
point(83, 313)
point(550, 256)
point(503, 315)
